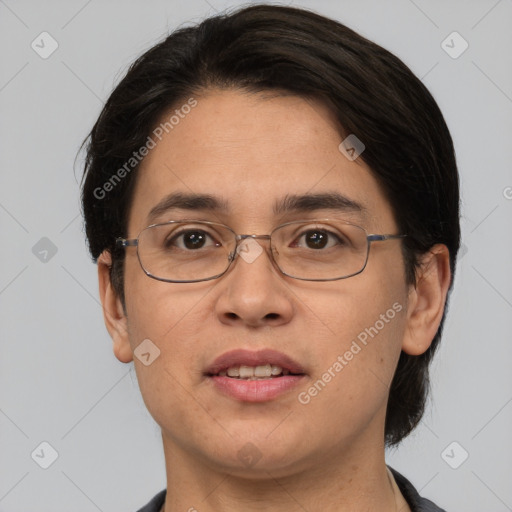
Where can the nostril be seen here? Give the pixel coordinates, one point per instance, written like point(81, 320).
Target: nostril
point(272, 316)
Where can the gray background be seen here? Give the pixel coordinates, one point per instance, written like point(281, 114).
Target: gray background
point(59, 381)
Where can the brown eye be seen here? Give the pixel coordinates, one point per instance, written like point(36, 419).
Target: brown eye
point(194, 240)
point(191, 240)
point(317, 239)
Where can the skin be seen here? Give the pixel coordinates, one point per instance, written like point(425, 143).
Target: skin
point(250, 150)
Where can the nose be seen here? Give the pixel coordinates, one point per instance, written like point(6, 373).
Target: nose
point(253, 292)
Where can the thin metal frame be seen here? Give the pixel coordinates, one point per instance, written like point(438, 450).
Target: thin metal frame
point(134, 242)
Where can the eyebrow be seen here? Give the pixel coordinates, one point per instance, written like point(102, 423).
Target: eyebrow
point(290, 203)
point(182, 201)
point(319, 201)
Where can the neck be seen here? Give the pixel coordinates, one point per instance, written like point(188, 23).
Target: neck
point(354, 479)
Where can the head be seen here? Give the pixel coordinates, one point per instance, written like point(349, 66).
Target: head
point(250, 108)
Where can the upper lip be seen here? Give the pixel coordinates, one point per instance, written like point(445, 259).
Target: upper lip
point(253, 358)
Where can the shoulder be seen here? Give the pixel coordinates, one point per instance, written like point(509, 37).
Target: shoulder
point(155, 504)
point(415, 501)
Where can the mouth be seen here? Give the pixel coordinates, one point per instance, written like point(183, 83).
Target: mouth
point(249, 365)
point(266, 371)
point(254, 376)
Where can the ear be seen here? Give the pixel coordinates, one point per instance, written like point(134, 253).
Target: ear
point(426, 300)
point(113, 313)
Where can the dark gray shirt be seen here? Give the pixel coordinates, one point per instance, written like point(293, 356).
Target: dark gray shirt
point(415, 501)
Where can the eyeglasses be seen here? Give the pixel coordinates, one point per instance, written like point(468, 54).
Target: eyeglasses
point(189, 251)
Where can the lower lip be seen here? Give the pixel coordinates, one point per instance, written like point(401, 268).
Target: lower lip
point(256, 390)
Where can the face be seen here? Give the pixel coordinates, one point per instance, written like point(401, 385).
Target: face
point(250, 152)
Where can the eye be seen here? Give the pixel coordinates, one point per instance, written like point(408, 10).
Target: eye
point(191, 239)
point(317, 239)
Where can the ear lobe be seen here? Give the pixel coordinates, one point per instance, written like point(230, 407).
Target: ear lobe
point(113, 313)
point(427, 300)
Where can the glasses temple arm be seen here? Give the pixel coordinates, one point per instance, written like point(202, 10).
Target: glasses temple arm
point(127, 242)
point(380, 238)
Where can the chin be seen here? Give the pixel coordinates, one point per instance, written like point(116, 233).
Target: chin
point(252, 463)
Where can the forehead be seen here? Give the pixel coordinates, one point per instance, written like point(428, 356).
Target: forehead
point(251, 151)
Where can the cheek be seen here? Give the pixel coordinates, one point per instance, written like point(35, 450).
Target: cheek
point(165, 382)
point(158, 310)
point(168, 317)
point(357, 356)
point(368, 333)
point(351, 385)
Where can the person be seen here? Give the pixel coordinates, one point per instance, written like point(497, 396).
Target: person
point(272, 201)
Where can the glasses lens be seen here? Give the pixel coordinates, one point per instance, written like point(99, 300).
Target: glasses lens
point(185, 251)
point(320, 250)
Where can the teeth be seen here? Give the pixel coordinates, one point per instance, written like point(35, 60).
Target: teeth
point(234, 371)
point(263, 371)
point(276, 370)
point(246, 372)
point(254, 372)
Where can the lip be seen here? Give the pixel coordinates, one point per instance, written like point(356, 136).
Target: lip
point(260, 390)
point(253, 358)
